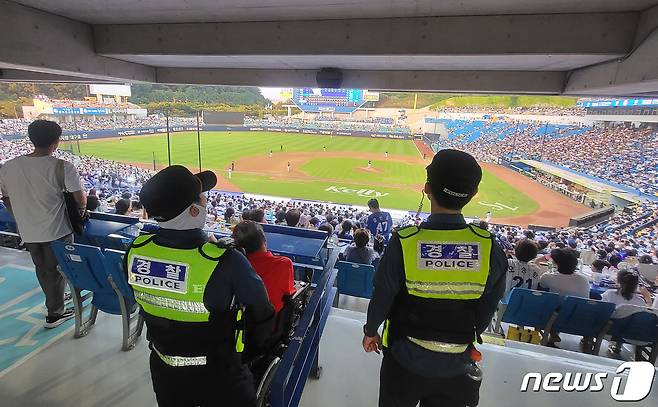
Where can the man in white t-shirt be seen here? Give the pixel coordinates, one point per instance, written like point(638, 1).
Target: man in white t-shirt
point(33, 194)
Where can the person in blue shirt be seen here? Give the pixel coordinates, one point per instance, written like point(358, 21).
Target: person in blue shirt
point(379, 223)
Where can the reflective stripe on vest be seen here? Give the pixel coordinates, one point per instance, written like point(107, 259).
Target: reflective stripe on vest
point(446, 264)
point(170, 283)
point(178, 361)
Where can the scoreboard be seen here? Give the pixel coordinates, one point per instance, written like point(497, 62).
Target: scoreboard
point(315, 100)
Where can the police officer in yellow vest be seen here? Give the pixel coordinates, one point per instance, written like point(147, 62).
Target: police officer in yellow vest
point(436, 289)
point(201, 300)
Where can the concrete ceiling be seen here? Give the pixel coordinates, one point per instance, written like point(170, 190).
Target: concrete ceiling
point(376, 62)
point(187, 11)
point(585, 47)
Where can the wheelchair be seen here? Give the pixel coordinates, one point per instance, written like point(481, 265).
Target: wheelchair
point(264, 366)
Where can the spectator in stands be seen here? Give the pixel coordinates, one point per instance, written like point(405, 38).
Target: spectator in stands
point(93, 203)
point(280, 217)
point(327, 228)
point(103, 203)
point(276, 271)
point(602, 255)
point(228, 214)
point(614, 260)
point(32, 192)
point(123, 207)
point(628, 281)
point(314, 223)
point(378, 245)
point(258, 215)
point(522, 272)
point(345, 230)
point(379, 223)
point(598, 265)
point(292, 217)
point(626, 294)
point(358, 251)
point(566, 281)
point(645, 259)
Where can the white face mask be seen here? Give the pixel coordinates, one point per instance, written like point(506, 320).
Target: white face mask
point(185, 221)
point(200, 219)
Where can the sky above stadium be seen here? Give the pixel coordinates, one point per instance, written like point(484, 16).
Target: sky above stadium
point(273, 94)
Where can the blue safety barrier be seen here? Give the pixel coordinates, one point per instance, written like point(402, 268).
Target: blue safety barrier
point(113, 217)
point(526, 307)
point(301, 357)
point(84, 268)
point(583, 317)
point(355, 279)
point(303, 246)
point(639, 328)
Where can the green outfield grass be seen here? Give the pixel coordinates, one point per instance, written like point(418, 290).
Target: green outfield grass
point(338, 179)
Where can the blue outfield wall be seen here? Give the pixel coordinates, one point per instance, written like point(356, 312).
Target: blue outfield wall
point(127, 132)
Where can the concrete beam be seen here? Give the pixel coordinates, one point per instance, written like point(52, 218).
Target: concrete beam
point(647, 23)
point(14, 75)
point(36, 41)
point(577, 34)
point(633, 75)
point(439, 81)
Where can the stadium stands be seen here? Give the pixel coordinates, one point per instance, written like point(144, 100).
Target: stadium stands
point(623, 155)
point(9, 127)
point(372, 126)
point(528, 110)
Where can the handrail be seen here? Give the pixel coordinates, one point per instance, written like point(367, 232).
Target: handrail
point(302, 353)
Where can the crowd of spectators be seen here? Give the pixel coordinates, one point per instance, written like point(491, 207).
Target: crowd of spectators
point(377, 119)
point(529, 110)
point(111, 179)
point(366, 125)
point(631, 230)
point(13, 126)
point(625, 155)
point(19, 126)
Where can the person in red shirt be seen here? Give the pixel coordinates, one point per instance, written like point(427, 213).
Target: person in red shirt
point(275, 271)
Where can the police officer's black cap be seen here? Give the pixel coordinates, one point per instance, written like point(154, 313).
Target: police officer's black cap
point(169, 192)
point(455, 175)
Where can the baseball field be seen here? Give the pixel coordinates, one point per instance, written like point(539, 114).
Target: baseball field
point(322, 167)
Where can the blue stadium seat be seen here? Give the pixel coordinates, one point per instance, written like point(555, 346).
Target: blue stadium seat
point(7, 222)
point(84, 268)
point(355, 279)
point(583, 317)
point(639, 329)
point(133, 322)
point(526, 307)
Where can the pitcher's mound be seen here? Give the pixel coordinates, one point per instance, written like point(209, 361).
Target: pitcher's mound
point(371, 170)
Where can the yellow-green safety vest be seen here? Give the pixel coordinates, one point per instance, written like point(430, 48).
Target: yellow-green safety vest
point(440, 265)
point(446, 264)
point(170, 282)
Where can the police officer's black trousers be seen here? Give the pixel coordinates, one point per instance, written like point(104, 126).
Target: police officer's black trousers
point(398, 387)
point(224, 383)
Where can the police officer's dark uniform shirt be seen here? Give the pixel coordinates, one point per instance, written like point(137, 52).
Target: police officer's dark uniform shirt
point(390, 279)
point(233, 276)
